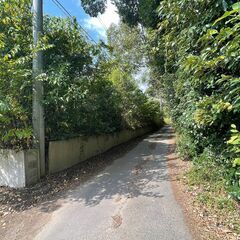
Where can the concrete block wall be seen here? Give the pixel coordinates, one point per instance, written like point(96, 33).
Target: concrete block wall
point(21, 168)
point(32, 167)
point(66, 153)
point(18, 168)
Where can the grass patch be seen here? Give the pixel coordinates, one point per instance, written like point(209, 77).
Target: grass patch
point(208, 179)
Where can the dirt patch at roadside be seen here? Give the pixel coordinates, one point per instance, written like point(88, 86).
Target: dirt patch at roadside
point(202, 225)
point(24, 225)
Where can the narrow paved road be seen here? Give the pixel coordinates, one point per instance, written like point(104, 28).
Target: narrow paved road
point(130, 200)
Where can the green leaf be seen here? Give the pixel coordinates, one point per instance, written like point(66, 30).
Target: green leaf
point(236, 162)
point(236, 6)
point(225, 15)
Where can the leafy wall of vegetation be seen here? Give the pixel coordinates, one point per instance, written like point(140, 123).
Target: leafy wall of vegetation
point(86, 92)
point(15, 74)
point(196, 53)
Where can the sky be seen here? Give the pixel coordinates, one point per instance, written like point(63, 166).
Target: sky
point(95, 27)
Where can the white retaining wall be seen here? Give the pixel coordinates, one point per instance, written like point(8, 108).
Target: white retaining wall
point(18, 169)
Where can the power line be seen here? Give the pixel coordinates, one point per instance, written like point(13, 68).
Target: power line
point(67, 13)
point(62, 7)
point(102, 23)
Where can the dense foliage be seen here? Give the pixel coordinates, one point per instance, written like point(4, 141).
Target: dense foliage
point(200, 77)
point(127, 53)
point(79, 97)
point(127, 47)
point(15, 74)
point(131, 11)
point(84, 91)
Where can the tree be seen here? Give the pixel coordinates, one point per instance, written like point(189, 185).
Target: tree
point(127, 46)
point(132, 12)
point(94, 7)
point(81, 96)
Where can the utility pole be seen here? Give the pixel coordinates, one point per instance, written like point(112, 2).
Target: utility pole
point(38, 110)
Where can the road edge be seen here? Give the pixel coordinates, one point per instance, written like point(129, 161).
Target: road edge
point(177, 169)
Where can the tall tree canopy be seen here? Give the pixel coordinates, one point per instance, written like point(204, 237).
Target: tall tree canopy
point(94, 7)
point(131, 11)
point(127, 46)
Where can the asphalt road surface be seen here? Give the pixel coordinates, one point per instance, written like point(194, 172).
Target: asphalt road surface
point(132, 199)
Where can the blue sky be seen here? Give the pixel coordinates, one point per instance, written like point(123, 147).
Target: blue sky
point(94, 26)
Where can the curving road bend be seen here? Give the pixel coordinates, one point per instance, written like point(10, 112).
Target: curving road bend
point(130, 200)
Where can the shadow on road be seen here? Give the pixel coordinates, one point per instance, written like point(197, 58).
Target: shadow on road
point(130, 170)
point(138, 173)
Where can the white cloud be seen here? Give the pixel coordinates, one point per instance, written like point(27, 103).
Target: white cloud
point(105, 20)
